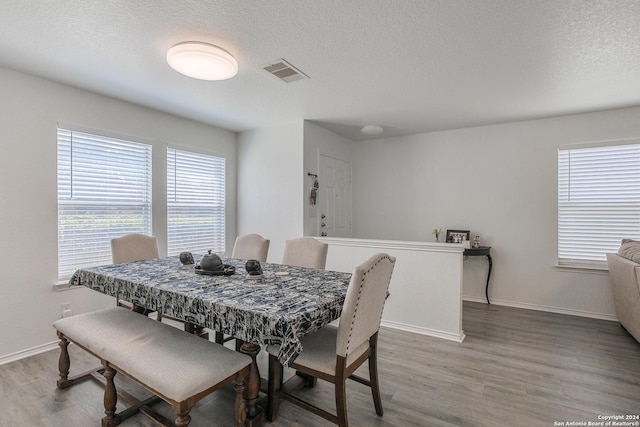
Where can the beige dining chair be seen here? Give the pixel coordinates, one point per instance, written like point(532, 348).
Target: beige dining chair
point(134, 247)
point(305, 252)
point(139, 247)
point(333, 354)
point(130, 248)
point(251, 246)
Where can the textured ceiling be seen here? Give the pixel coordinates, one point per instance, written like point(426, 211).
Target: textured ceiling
point(411, 66)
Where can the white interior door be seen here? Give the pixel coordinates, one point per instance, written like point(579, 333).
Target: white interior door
point(335, 197)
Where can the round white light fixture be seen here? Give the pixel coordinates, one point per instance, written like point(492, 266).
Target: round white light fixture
point(202, 61)
point(371, 130)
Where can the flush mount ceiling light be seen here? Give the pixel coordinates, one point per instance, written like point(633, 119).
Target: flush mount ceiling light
point(371, 130)
point(202, 61)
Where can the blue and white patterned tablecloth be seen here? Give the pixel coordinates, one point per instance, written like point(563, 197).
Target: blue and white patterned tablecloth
point(277, 309)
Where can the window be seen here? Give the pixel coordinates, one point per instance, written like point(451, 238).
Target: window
point(195, 202)
point(104, 191)
point(598, 200)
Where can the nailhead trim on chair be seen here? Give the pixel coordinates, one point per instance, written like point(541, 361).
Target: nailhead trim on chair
point(364, 275)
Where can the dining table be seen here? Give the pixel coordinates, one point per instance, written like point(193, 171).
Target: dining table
point(278, 307)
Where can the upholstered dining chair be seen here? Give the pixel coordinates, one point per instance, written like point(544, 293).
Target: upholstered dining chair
point(305, 252)
point(133, 247)
point(251, 246)
point(139, 247)
point(333, 354)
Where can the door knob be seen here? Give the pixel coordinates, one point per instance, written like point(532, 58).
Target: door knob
point(323, 216)
point(323, 234)
point(323, 225)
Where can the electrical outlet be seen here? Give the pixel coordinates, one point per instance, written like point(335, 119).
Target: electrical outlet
point(65, 307)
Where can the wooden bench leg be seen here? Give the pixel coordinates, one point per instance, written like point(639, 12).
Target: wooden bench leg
point(64, 362)
point(64, 365)
point(182, 420)
point(110, 398)
point(180, 409)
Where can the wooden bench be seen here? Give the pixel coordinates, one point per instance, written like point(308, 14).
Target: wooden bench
point(174, 365)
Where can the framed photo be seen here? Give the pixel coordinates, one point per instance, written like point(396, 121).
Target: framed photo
point(457, 236)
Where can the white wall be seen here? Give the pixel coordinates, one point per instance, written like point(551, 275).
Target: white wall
point(425, 293)
point(499, 182)
point(317, 141)
point(30, 109)
point(270, 184)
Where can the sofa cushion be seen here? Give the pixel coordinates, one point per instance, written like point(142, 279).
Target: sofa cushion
point(630, 249)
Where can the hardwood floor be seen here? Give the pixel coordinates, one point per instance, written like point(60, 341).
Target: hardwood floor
point(515, 368)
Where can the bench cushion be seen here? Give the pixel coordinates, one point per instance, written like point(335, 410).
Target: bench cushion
point(170, 361)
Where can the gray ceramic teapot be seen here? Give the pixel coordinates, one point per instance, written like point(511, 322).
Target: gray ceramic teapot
point(211, 262)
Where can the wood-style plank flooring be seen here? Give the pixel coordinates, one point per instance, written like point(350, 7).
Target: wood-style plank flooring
point(515, 368)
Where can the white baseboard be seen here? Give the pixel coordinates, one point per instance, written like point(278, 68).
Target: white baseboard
point(547, 308)
point(424, 331)
point(28, 352)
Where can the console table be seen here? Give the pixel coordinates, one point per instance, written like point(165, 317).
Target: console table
point(486, 252)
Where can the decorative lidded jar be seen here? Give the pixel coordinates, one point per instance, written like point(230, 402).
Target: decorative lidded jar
point(211, 262)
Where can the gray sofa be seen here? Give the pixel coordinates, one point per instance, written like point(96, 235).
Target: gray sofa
point(624, 272)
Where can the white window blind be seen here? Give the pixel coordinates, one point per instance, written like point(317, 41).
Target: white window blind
point(195, 202)
point(598, 201)
point(104, 191)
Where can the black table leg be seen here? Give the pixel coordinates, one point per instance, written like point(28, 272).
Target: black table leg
point(481, 251)
point(486, 288)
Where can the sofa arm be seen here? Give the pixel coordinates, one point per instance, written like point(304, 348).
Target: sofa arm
point(624, 275)
point(624, 272)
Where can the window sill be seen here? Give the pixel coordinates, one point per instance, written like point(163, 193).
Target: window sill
point(588, 269)
point(64, 286)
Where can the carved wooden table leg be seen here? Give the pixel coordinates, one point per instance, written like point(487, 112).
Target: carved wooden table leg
point(255, 414)
point(240, 408)
point(274, 386)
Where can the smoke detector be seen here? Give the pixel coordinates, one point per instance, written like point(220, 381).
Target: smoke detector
point(285, 71)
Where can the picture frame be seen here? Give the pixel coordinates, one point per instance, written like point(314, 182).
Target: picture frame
point(453, 236)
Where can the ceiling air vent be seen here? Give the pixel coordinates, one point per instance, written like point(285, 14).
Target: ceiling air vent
point(285, 71)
